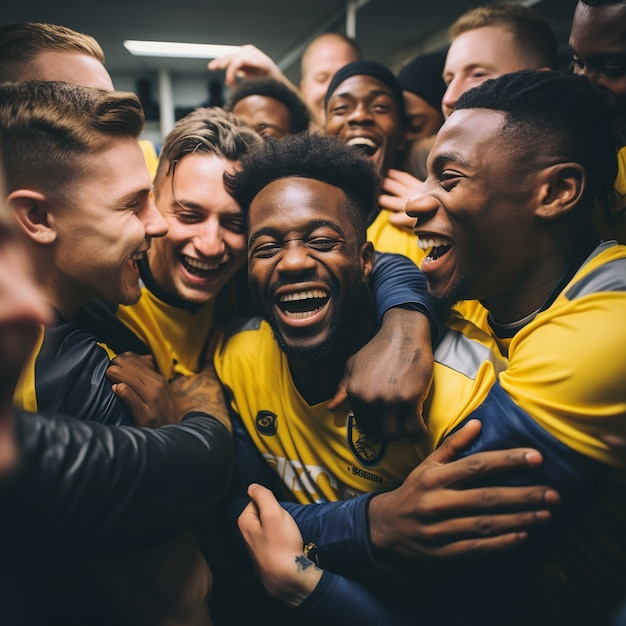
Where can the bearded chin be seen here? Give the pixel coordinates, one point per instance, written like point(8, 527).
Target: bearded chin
point(460, 291)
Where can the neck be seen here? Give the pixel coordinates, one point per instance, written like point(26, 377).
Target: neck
point(537, 290)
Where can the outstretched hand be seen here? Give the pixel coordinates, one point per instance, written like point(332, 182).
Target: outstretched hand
point(275, 545)
point(431, 515)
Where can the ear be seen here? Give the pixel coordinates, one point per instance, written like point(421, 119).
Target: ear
point(31, 212)
point(366, 258)
point(561, 189)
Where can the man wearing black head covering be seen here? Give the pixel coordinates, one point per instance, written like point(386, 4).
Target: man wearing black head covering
point(365, 109)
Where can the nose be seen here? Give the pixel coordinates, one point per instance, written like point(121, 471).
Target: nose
point(295, 259)
point(153, 221)
point(209, 238)
point(360, 114)
point(450, 97)
point(422, 205)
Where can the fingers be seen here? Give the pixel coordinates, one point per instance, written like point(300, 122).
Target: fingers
point(468, 547)
point(132, 401)
point(402, 220)
point(456, 443)
point(475, 466)
point(414, 426)
point(341, 395)
point(393, 203)
point(433, 506)
point(130, 367)
point(265, 501)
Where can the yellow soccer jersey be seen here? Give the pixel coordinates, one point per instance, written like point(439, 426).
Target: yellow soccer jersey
point(389, 238)
point(566, 369)
point(319, 454)
point(176, 337)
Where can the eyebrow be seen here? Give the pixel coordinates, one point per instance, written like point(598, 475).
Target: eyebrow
point(311, 226)
point(133, 196)
point(374, 93)
point(439, 160)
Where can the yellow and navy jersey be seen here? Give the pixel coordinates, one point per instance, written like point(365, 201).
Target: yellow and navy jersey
point(389, 238)
point(565, 369)
point(320, 455)
point(614, 227)
point(175, 332)
point(557, 385)
point(66, 375)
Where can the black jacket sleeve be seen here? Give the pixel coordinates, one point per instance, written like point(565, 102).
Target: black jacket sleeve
point(92, 488)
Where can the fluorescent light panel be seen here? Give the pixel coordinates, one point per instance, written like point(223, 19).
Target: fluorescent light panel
point(175, 49)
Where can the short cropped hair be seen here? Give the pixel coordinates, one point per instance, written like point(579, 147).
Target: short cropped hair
point(534, 36)
point(47, 128)
point(313, 156)
point(556, 114)
point(211, 130)
point(299, 116)
point(22, 42)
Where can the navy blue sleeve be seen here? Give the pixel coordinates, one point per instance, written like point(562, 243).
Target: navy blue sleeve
point(490, 588)
point(338, 600)
point(397, 282)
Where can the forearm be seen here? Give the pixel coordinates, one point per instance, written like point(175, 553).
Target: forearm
point(93, 488)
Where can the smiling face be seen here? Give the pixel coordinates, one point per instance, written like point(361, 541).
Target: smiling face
point(478, 228)
point(474, 57)
point(598, 43)
point(306, 266)
point(267, 116)
point(107, 228)
point(206, 241)
point(363, 113)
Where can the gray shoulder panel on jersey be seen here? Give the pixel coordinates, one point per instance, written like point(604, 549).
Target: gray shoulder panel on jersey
point(465, 355)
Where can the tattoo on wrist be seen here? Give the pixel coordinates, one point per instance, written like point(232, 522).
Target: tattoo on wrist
point(304, 563)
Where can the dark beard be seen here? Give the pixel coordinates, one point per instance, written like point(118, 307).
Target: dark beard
point(339, 340)
point(459, 291)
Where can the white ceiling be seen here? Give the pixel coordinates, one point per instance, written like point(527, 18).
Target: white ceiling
point(389, 31)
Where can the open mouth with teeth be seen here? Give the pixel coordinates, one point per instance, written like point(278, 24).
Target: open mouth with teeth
point(436, 247)
point(364, 144)
point(198, 268)
point(302, 304)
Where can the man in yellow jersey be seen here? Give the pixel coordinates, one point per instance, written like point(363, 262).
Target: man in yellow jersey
point(309, 263)
point(548, 372)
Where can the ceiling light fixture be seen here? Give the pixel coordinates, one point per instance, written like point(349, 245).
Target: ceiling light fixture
point(175, 49)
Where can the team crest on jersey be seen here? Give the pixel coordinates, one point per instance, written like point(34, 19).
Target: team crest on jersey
point(266, 423)
point(368, 450)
